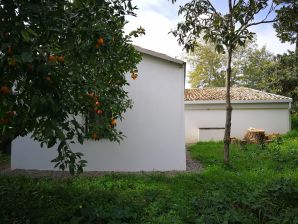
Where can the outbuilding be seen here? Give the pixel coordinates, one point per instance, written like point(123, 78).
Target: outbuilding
point(205, 113)
point(154, 127)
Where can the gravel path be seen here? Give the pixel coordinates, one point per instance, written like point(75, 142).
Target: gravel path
point(191, 166)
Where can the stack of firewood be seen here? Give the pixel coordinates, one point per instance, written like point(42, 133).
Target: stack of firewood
point(254, 135)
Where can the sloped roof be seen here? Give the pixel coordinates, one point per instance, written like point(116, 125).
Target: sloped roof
point(237, 94)
point(158, 55)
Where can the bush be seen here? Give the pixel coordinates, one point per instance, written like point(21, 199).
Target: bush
point(294, 121)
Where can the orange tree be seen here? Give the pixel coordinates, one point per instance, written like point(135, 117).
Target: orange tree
point(59, 61)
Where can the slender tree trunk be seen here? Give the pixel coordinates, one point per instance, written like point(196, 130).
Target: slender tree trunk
point(296, 53)
point(227, 137)
point(296, 50)
point(228, 109)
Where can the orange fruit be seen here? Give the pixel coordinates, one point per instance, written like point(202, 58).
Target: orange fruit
point(10, 51)
point(10, 113)
point(61, 59)
point(3, 121)
point(90, 94)
point(97, 46)
point(52, 58)
point(134, 76)
point(4, 90)
point(99, 112)
point(48, 78)
point(12, 62)
point(113, 122)
point(100, 41)
point(29, 68)
point(94, 136)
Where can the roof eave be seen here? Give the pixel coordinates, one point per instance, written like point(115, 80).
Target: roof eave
point(159, 55)
point(237, 101)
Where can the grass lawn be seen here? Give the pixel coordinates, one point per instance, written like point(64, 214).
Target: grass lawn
point(260, 186)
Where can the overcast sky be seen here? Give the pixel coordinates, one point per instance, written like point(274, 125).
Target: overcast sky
point(158, 17)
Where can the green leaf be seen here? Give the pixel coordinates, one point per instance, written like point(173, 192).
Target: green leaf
point(31, 32)
point(60, 134)
point(25, 35)
point(26, 57)
point(52, 142)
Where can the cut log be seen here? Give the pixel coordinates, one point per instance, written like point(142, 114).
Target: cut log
point(256, 136)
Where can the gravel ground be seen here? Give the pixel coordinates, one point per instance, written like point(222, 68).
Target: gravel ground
point(191, 166)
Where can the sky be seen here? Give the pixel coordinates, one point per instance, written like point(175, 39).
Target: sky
point(159, 17)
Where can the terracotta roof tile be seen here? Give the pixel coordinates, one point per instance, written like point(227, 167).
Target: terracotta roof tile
point(237, 93)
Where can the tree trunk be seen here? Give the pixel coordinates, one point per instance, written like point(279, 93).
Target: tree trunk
point(227, 135)
point(296, 50)
point(296, 54)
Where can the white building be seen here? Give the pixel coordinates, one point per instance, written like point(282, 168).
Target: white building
point(205, 113)
point(154, 127)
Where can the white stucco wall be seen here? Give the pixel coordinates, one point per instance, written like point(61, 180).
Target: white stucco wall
point(215, 134)
point(154, 128)
point(274, 118)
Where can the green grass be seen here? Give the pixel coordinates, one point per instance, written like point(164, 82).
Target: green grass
point(260, 186)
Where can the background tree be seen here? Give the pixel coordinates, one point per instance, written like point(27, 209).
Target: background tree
point(281, 78)
point(60, 60)
point(207, 66)
point(286, 25)
point(254, 68)
point(202, 19)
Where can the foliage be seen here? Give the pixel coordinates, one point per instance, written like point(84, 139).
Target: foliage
point(255, 68)
point(250, 66)
point(286, 25)
point(260, 186)
point(4, 159)
point(281, 78)
point(57, 59)
point(201, 19)
point(294, 121)
point(287, 31)
point(208, 66)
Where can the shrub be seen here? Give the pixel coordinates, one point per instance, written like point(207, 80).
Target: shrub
point(294, 121)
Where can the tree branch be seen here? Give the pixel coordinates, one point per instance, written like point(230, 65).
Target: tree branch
point(240, 30)
point(212, 7)
point(264, 21)
point(270, 10)
point(260, 22)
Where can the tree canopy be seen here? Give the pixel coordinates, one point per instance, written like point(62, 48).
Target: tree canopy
point(208, 66)
point(59, 61)
point(286, 25)
point(281, 77)
point(253, 67)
